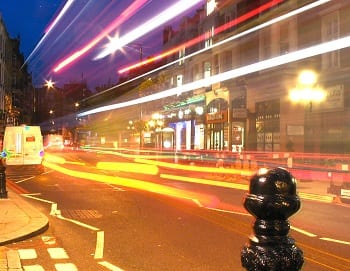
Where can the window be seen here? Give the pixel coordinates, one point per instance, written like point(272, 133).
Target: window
point(181, 56)
point(207, 69)
point(265, 44)
point(330, 31)
point(284, 38)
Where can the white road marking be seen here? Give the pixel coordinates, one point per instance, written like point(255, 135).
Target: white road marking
point(57, 253)
point(48, 240)
point(36, 267)
point(54, 210)
point(99, 245)
point(26, 254)
point(196, 201)
point(77, 222)
point(110, 266)
point(26, 179)
point(303, 232)
point(31, 196)
point(335, 241)
point(65, 267)
point(228, 211)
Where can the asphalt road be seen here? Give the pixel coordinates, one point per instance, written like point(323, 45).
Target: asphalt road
point(125, 225)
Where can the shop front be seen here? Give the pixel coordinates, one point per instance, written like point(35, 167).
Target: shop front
point(217, 125)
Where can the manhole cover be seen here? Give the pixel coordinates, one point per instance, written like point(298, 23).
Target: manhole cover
point(81, 214)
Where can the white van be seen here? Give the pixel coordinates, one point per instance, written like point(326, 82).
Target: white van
point(23, 145)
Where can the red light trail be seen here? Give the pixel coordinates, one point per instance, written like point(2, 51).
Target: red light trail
point(203, 36)
point(135, 6)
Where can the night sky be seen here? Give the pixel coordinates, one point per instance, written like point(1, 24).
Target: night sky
point(82, 22)
point(28, 18)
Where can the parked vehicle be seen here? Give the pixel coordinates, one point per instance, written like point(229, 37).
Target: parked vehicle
point(23, 145)
point(53, 142)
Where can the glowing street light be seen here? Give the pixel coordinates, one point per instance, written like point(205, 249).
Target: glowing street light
point(49, 84)
point(307, 90)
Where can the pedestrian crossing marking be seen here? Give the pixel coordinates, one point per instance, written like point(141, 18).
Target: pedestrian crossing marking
point(57, 253)
point(27, 254)
point(48, 240)
point(66, 267)
point(36, 267)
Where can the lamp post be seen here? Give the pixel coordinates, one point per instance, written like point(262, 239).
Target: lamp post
point(307, 89)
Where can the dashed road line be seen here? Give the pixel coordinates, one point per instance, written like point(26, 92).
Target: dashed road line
point(110, 266)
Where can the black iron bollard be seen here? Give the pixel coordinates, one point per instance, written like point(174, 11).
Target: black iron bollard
point(272, 199)
point(3, 191)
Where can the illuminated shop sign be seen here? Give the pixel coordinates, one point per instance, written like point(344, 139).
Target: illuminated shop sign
point(217, 117)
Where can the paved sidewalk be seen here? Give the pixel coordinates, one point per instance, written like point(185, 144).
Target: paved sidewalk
point(19, 220)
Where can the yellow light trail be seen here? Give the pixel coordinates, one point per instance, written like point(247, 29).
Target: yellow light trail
point(197, 168)
point(128, 167)
point(135, 184)
point(206, 181)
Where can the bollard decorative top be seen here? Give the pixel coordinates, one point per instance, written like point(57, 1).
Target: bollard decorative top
point(272, 182)
point(272, 199)
point(272, 194)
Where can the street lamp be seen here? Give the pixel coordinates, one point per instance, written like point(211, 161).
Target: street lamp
point(307, 89)
point(49, 84)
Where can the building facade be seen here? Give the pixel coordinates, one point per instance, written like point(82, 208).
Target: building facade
point(254, 111)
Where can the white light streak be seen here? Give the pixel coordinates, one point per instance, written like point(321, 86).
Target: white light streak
point(51, 26)
point(145, 28)
point(255, 67)
point(244, 33)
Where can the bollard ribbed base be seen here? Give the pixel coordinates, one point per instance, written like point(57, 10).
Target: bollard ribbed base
point(276, 258)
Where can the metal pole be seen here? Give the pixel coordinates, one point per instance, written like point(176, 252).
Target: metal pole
point(272, 199)
point(3, 191)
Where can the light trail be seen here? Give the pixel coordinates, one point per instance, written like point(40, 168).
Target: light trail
point(128, 167)
point(255, 67)
point(200, 38)
point(135, 184)
point(126, 14)
point(65, 8)
point(148, 26)
point(244, 33)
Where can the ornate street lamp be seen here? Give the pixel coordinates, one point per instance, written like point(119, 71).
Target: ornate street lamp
point(307, 90)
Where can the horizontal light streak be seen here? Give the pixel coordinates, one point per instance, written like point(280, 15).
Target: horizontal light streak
point(148, 26)
point(128, 167)
point(196, 168)
point(244, 33)
point(117, 22)
point(134, 184)
point(230, 39)
point(203, 37)
point(54, 158)
point(205, 181)
point(322, 198)
point(255, 67)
